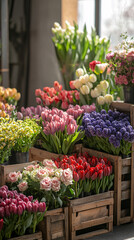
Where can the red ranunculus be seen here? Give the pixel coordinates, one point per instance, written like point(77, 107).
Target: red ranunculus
point(93, 64)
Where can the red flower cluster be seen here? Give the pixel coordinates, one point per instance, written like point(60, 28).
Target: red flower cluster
point(56, 97)
point(12, 202)
point(85, 167)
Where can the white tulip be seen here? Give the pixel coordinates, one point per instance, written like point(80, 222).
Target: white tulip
point(89, 84)
point(84, 79)
point(104, 84)
point(101, 100)
point(92, 78)
point(57, 25)
point(99, 88)
point(108, 98)
point(79, 72)
point(77, 84)
point(85, 90)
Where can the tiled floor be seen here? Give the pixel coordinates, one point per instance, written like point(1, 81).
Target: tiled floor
point(123, 232)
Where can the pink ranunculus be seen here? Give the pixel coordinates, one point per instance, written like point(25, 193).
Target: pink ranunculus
point(49, 163)
point(46, 184)
point(42, 173)
point(67, 176)
point(22, 186)
point(19, 175)
point(30, 168)
point(12, 177)
point(50, 171)
point(55, 184)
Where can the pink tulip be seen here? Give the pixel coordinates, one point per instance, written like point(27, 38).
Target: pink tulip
point(30, 198)
point(4, 194)
point(20, 209)
point(38, 100)
point(29, 206)
point(35, 206)
point(7, 210)
point(70, 129)
point(42, 207)
point(2, 211)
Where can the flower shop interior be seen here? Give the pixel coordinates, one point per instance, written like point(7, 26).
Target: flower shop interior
point(67, 119)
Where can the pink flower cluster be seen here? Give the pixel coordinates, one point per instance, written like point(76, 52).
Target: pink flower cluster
point(30, 112)
point(12, 202)
point(55, 120)
point(77, 110)
point(122, 63)
point(56, 96)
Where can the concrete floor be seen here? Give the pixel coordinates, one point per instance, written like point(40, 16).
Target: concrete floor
point(123, 232)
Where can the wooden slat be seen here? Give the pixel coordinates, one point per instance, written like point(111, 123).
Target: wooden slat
point(126, 170)
point(125, 212)
point(121, 106)
point(125, 185)
point(34, 236)
point(92, 198)
point(57, 218)
point(66, 226)
point(125, 220)
point(119, 167)
point(126, 162)
point(57, 235)
point(53, 212)
point(92, 205)
point(91, 234)
point(94, 222)
point(125, 194)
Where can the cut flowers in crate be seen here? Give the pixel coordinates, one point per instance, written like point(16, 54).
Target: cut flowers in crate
point(18, 214)
point(110, 132)
point(91, 175)
point(43, 181)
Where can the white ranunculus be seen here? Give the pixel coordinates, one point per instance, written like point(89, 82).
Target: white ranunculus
point(108, 98)
point(104, 84)
point(77, 84)
point(79, 72)
point(101, 100)
point(92, 78)
point(84, 90)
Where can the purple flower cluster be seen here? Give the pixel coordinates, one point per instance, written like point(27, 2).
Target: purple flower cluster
point(56, 120)
point(31, 112)
point(77, 110)
point(112, 125)
point(12, 202)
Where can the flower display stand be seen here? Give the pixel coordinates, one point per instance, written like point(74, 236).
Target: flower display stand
point(91, 216)
point(55, 224)
point(123, 185)
point(36, 154)
point(125, 108)
point(34, 236)
point(5, 169)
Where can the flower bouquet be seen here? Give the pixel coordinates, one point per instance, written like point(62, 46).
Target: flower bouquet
point(18, 214)
point(60, 131)
point(44, 181)
point(74, 49)
point(7, 110)
point(56, 97)
point(93, 87)
point(9, 95)
point(121, 62)
point(110, 132)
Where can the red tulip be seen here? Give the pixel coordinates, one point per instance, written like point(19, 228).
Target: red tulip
point(93, 64)
point(81, 174)
point(75, 176)
point(2, 211)
point(20, 210)
point(1, 224)
point(100, 174)
point(94, 176)
point(29, 206)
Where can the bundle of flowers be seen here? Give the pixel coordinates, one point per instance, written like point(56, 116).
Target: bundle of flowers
point(31, 112)
point(110, 132)
point(7, 110)
point(92, 87)
point(16, 135)
point(74, 48)
point(60, 131)
point(43, 182)
point(76, 111)
point(18, 213)
point(121, 61)
point(56, 97)
point(9, 95)
point(91, 175)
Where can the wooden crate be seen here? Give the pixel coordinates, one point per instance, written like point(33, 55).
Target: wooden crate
point(34, 236)
point(55, 224)
point(91, 216)
point(36, 154)
point(123, 186)
point(5, 169)
point(124, 107)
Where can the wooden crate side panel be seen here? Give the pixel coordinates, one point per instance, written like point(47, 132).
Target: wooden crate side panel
point(5, 169)
point(34, 236)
